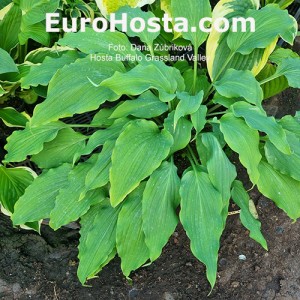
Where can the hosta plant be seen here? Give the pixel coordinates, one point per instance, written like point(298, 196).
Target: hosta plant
point(118, 175)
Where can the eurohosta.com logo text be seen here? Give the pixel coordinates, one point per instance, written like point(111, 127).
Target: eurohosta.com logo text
point(168, 24)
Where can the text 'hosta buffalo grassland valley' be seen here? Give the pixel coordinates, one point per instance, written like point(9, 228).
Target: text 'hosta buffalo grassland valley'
point(119, 174)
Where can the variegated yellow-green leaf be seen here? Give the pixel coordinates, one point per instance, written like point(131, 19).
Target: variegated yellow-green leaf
point(258, 119)
point(97, 240)
point(13, 182)
point(219, 56)
point(39, 198)
point(201, 217)
point(10, 22)
point(107, 7)
point(13, 118)
point(160, 200)
point(280, 188)
point(241, 198)
point(138, 152)
point(243, 140)
point(282, 3)
point(165, 5)
point(82, 76)
point(20, 144)
point(131, 245)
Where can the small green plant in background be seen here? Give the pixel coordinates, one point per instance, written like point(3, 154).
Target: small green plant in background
point(120, 177)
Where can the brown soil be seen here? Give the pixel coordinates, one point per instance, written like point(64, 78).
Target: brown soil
point(44, 267)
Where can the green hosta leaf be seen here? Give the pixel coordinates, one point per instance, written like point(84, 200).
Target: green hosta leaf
point(60, 150)
point(193, 11)
point(187, 105)
point(91, 42)
point(181, 135)
point(2, 91)
point(145, 106)
point(97, 241)
point(98, 175)
point(79, 76)
point(275, 86)
point(160, 201)
point(34, 11)
point(226, 102)
point(246, 86)
point(290, 68)
point(259, 120)
point(101, 118)
point(5, 3)
point(42, 74)
point(131, 245)
point(221, 171)
point(37, 32)
point(286, 164)
point(139, 151)
point(291, 124)
point(68, 208)
point(13, 182)
point(13, 118)
point(282, 3)
point(202, 83)
point(201, 217)
point(20, 143)
point(7, 63)
point(37, 56)
point(267, 28)
point(241, 198)
point(243, 140)
point(199, 118)
point(102, 135)
point(10, 22)
point(145, 36)
point(39, 197)
point(166, 80)
point(281, 54)
point(280, 188)
point(108, 7)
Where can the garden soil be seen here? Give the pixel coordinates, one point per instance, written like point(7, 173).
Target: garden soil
point(44, 266)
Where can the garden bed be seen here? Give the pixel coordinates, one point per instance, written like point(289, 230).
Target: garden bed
point(44, 267)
